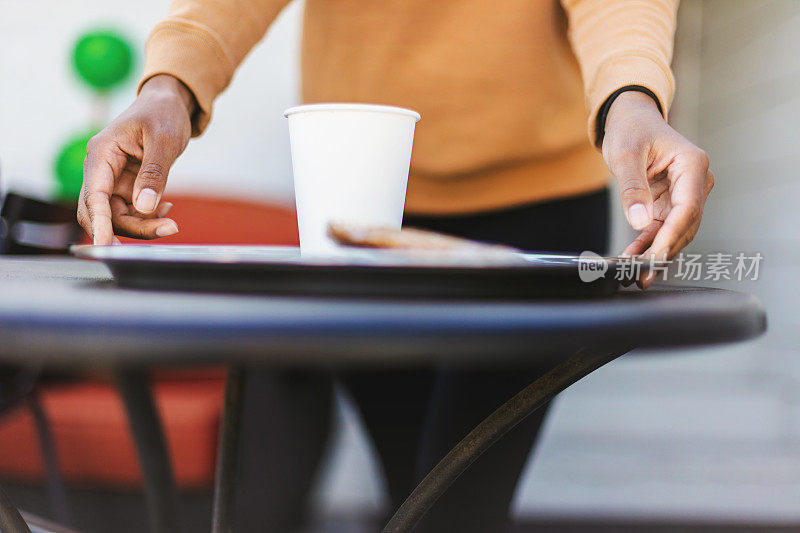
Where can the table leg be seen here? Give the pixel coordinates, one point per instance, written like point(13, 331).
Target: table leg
point(228, 453)
point(56, 490)
point(491, 429)
point(10, 519)
point(159, 484)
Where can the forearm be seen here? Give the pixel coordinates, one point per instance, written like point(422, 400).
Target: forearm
point(202, 42)
point(166, 86)
point(627, 102)
point(620, 43)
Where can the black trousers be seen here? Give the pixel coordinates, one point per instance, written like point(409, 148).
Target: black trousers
point(413, 416)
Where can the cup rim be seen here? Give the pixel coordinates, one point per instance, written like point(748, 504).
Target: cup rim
point(352, 107)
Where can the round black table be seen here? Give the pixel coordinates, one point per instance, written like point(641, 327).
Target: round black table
point(66, 313)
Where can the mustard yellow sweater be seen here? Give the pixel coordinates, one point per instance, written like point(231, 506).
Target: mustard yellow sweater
point(505, 87)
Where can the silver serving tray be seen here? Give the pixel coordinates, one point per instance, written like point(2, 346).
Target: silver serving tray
point(349, 271)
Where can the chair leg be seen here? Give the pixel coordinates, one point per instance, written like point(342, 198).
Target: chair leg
point(56, 491)
point(161, 494)
point(227, 454)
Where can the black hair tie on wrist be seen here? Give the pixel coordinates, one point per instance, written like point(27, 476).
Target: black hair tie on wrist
point(602, 114)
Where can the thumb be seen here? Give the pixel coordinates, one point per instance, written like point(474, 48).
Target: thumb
point(637, 201)
point(151, 180)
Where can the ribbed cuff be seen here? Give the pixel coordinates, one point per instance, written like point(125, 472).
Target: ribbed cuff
point(191, 54)
point(628, 71)
point(602, 114)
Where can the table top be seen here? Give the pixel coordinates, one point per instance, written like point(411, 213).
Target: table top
point(68, 312)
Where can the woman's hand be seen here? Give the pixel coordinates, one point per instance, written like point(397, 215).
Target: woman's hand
point(127, 164)
point(663, 178)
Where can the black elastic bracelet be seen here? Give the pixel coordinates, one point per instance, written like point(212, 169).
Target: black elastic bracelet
point(602, 114)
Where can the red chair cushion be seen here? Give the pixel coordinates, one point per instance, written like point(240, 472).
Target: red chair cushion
point(221, 221)
point(93, 441)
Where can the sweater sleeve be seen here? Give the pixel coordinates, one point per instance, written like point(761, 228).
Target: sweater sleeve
point(620, 43)
point(202, 42)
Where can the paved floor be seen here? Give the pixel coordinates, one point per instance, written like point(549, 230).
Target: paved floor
point(123, 512)
point(333, 525)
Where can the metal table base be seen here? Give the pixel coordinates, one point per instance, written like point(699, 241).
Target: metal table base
point(160, 493)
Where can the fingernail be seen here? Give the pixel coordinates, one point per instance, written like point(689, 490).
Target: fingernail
point(165, 230)
point(146, 201)
point(163, 209)
point(638, 217)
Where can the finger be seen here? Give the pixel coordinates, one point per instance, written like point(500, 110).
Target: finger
point(103, 162)
point(630, 169)
point(145, 229)
point(689, 235)
point(159, 155)
point(709, 184)
point(648, 277)
point(688, 195)
point(137, 227)
point(83, 213)
point(124, 185)
point(625, 280)
point(163, 209)
point(645, 280)
point(643, 240)
point(97, 205)
point(683, 241)
point(639, 245)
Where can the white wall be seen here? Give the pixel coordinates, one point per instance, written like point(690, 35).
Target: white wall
point(245, 152)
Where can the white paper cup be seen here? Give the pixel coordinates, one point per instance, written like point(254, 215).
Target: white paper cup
point(350, 164)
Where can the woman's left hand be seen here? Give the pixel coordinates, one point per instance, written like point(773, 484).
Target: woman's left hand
point(663, 178)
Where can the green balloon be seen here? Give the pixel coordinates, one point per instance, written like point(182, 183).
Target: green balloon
point(69, 167)
point(103, 59)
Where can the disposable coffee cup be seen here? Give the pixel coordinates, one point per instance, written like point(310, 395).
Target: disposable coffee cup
point(350, 164)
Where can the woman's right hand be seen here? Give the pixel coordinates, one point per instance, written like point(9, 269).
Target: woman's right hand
point(127, 164)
